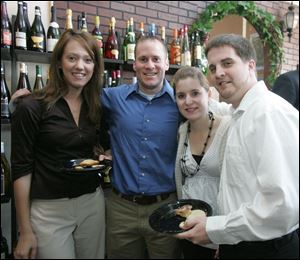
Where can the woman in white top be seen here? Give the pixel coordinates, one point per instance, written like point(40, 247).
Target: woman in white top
point(199, 139)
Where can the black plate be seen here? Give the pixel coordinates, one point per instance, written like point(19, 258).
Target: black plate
point(165, 220)
point(70, 167)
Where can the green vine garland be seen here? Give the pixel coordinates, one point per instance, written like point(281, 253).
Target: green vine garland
point(265, 24)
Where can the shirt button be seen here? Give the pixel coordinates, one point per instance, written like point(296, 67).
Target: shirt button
point(145, 138)
point(147, 120)
point(144, 156)
point(143, 174)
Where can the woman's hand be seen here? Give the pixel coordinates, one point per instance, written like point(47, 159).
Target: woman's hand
point(26, 247)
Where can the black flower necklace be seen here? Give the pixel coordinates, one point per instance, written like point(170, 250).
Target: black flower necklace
point(185, 169)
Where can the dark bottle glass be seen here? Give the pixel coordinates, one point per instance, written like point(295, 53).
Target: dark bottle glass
point(25, 12)
point(37, 40)
point(97, 34)
point(4, 247)
point(119, 79)
point(6, 33)
point(23, 83)
point(5, 177)
point(84, 27)
point(5, 95)
point(79, 22)
point(111, 45)
point(53, 33)
point(197, 52)
point(39, 84)
point(20, 29)
point(105, 79)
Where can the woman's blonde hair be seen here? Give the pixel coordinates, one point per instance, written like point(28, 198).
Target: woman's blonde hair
point(190, 72)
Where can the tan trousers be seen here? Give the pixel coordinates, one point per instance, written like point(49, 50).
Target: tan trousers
point(129, 235)
point(70, 228)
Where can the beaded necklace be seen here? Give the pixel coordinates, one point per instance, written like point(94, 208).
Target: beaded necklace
point(185, 170)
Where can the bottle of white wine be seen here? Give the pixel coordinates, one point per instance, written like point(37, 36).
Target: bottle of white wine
point(5, 177)
point(37, 40)
point(53, 32)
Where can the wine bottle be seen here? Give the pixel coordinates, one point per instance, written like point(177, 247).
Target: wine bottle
point(5, 95)
point(20, 29)
point(39, 84)
point(25, 12)
point(124, 46)
point(4, 246)
point(130, 41)
point(37, 40)
point(152, 29)
point(175, 55)
point(53, 33)
point(6, 33)
point(69, 23)
point(105, 79)
point(26, 76)
point(84, 27)
point(185, 51)
point(119, 79)
point(111, 45)
point(22, 83)
point(97, 34)
point(79, 22)
point(113, 78)
point(5, 177)
point(197, 53)
point(163, 35)
point(141, 31)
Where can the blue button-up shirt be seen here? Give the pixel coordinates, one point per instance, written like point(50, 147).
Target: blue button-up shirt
point(143, 136)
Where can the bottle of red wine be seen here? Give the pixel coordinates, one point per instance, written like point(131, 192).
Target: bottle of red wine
point(37, 40)
point(23, 83)
point(53, 33)
point(5, 95)
point(6, 33)
point(5, 177)
point(20, 29)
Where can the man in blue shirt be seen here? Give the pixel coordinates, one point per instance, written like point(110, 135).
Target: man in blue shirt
point(143, 120)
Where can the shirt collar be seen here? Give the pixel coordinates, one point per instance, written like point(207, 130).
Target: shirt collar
point(166, 89)
point(250, 96)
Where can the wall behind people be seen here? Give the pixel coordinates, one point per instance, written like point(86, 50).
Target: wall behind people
point(171, 14)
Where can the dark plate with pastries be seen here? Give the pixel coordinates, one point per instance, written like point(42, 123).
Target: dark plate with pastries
point(167, 218)
point(85, 165)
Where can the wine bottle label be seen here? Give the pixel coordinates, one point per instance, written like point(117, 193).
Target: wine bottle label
point(99, 40)
point(4, 108)
point(197, 52)
point(37, 42)
point(6, 37)
point(130, 51)
point(21, 40)
point(51, 44)
point(115, 53)
point(186, 59)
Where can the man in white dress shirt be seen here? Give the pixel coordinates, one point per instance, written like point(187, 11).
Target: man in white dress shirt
point(259, 187)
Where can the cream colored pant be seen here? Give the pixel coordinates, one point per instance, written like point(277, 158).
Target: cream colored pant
point(70, 228)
